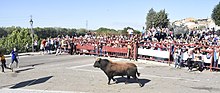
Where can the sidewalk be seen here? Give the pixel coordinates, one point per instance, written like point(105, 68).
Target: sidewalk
point(24, 54)
point(30, 53)
point(34, 91)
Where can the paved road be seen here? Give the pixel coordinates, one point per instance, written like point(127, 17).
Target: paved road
point(75, 74)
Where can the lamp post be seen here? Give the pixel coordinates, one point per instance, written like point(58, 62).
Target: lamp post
point(32, 34)
point(213, 32)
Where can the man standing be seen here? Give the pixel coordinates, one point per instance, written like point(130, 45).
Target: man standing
point(3, 65)
point(216, 56)
point(130, 32)
point(14, 56)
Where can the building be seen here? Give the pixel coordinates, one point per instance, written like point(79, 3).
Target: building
point(193, 23)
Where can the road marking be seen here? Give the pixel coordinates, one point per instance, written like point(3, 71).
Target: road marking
point(176, 78)
point(5, 90)
point(74, 67)
point(87, 70)
point(153, 76)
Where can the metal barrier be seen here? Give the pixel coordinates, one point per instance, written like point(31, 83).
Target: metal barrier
point(115, 51)
point(85, 49)
point(154, 51)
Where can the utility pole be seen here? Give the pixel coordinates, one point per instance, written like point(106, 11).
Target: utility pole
point(32, 33)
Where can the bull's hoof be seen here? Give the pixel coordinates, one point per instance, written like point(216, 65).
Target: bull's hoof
point(126, 82)
point(116, 82)
point(141, 85)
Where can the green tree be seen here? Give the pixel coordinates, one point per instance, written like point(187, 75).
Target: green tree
point(157, 19)
point(106, 31)
point(150, 19)
point(18, 38)
point(81, 32)
point(3, 32)
point(216, 14)
point(162, 19)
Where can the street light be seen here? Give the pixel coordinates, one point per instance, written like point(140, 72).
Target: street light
point(213, 31)
point(32, 34)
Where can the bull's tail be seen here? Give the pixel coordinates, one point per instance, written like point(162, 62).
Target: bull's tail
point(138, 74)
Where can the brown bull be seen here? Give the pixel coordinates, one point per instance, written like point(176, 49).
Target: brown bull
point(112, 69)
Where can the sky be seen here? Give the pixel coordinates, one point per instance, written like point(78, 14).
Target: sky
point(93, 14)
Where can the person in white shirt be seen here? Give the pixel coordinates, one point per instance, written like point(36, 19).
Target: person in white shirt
point(185, 55)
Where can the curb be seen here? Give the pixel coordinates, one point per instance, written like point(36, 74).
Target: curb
point(24, 54)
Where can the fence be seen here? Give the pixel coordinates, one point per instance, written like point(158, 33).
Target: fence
point(161, 52)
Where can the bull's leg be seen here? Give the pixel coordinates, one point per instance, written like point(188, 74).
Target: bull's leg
point(200, 67)
point(192, 66)
point(126, 81)
point(188, 66)
point(114, 80)
point(109, 79)
point(189, 63)
point(135, 77)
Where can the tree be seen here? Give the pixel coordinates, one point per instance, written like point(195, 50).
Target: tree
point(3, 32)
point(81, 32)
point(157, 19)
point(18, 38)
point(106, 31)
point(150, 19)
point(216, 14)
point(161, 19)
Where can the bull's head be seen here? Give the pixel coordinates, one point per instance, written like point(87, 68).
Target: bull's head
point(97, 63)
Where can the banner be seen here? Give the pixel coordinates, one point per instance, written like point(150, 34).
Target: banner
point(154, 53)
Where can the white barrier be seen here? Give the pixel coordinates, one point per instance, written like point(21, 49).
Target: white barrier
point(206, 60)
point(153, 53)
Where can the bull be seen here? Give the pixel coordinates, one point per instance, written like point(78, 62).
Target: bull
point(112, 69)
point(194, 64)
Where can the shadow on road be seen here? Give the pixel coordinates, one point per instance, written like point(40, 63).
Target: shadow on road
point(31, 82)
point(131, 80)
point(18, 71)
point(32, 65)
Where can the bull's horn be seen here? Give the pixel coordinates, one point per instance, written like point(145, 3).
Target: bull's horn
point(98, 59)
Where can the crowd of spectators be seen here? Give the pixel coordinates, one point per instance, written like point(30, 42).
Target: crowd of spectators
point(194, 46)
point(195, 42)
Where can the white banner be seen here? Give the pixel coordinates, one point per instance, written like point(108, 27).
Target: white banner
point(154, 53)
point(206, 60)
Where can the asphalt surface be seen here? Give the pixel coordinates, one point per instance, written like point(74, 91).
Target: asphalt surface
point(76, 74)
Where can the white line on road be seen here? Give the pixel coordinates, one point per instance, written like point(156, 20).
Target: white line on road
point(154, 76)
point(74, 67)
point(87, 70)
point(35, 91)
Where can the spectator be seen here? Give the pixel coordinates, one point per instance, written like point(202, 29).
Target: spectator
point(216, 56)
point(35, 46)
point(42, 46)
point(14, 57)
point(26, 47)
point(3, 61)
